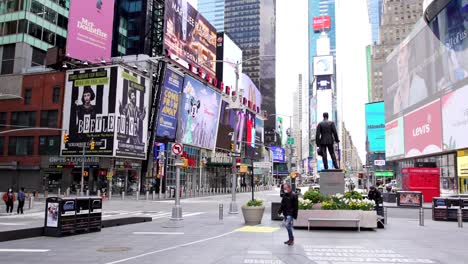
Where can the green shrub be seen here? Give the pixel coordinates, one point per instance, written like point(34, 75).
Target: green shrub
point(313, 196)
point(255, 202)
point(353, 195)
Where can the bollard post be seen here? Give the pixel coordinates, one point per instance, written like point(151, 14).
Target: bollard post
point(58, 192)
point(138, 195)
point(154, 194)
point(385, 214)
point(460, 218)
point(123, 195)
point(421, 216)
point(87, 192)
point(221, 212)
point(110, 195)
point(68, 191)
point(147, 195)
point(31, 201)
point(99, 193)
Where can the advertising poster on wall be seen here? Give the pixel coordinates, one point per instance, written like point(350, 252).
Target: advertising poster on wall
point(375, 126)
point(230, 53)
point(455, 119)
point(169, 105)
point(53, 211)
point(198, 115)
point(394, 139)
point(278, 154)
point(227, 123)
point(89, 111)
point(188, 36)
point(89, 35)
point(423, 130)
point(132, 119)
point(251, 92)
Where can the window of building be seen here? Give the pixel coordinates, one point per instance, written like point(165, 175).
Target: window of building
point(49, 118)
point(2, 144)
point(23, 119)
point(21, 146)
point(35, 30)
point(50, 15)
point(61, 41)
point(27, 96)
point(8, 58)
point(56, 95)
point(49, 145)
point(38, 57)
point(10, 6)
point(3, 119)
point(62, 21)
point(48, 37)
point(8, 28)
point(37, 8)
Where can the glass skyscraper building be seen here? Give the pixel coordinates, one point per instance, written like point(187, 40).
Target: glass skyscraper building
point(375, 12)
point(213, 11)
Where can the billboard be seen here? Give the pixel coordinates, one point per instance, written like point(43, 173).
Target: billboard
point(320, 165)
point(89, 36)
point(251, 93)
point(321, 23)
point(169, 104)
point(278, 154)
point(229, 52)
point(323, 65)
point(431, 61)
point(394, 139)
point(455, 119)
point(375, 126)
point(323, 82)
point(107, 105)
point(423, 130)
point(198, 115)
point(188, 36)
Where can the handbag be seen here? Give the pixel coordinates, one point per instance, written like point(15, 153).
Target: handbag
point(319, 151)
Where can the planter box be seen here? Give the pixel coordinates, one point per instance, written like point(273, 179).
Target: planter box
point(253, 215)
point(368, 218)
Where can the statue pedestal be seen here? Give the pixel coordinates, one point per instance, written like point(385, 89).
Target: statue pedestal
point(332, 182)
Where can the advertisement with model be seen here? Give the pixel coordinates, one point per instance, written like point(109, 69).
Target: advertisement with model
point(166, 125)
point(251, 93)
point(198, 115)
point(455, 119)
point(89, 35)
point(375, 126)
point(229, 55)
point(107, 105)
point(423, 130)
point(227, 124)
point(394, 139)
point(189, 37)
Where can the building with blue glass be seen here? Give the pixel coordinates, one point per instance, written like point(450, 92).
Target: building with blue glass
point(375, 13)
point(213, 11)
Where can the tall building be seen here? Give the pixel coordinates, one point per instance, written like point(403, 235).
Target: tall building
point(213, 11)
point(375, 13)
point(351, 161)
point(28, 29)
point(398, 19)
point(251, 24)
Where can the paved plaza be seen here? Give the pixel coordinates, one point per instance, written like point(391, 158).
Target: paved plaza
point(203, 238)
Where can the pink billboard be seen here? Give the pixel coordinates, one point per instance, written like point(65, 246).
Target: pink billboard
point(90, 30)
point(423, 130)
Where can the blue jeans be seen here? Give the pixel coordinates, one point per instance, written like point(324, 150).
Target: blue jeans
point(288, 223)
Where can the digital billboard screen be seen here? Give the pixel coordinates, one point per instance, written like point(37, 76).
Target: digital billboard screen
point(198, 114)
point(375, 126)
point(89, 36)
point(278, 154)
point(454, 119)
point(323, 65)
point(230, 54)
point(321, 23)
point(189, 37)
point(394, 139)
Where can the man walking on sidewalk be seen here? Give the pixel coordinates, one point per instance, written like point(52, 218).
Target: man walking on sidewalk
point(21, 199)
point(289, 207)
point(9, 199)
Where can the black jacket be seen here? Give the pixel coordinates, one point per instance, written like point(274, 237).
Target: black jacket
point(289, 205)
point(376, 196)
point(326, 133)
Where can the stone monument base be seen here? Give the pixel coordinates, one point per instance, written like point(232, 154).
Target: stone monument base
point(332, 182)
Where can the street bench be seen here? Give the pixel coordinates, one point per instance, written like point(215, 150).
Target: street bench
point(334, 220)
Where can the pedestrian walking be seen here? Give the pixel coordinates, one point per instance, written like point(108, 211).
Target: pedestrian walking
point(289, 208)
point(9, 199)
point(375, 196)
point(21, 199)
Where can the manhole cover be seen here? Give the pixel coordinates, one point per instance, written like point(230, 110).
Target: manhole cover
point(113, 249)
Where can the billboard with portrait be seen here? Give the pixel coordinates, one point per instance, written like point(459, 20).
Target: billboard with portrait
point(251, 92)
point(198, 115)
point(423, 130)
point(278, 154)
point(89, 36)
point(230, 53)
point(166, 125)
point(188, 36)
point(108, 105)
point(375, 126)
point(394, 139)
point(454, 119)
point(430, 62)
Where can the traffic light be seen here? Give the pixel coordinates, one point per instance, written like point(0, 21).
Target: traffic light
point(232, 147)
point(65, 138)
point(92, 144)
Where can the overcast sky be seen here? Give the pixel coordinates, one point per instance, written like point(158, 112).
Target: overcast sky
point(353, 34)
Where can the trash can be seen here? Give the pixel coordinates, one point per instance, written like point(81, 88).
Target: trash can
point(95, 213)
point(275, 206)
point(439, 209)
point(60, 216)
point(82, 214)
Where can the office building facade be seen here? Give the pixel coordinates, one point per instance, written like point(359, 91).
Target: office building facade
point(374, 8)
point(213, 11)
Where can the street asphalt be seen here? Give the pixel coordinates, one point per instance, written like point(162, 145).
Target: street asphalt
point(203, 238)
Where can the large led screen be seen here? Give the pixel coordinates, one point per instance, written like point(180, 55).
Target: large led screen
point(394, 139)
point(375, 126)
point(455, 119)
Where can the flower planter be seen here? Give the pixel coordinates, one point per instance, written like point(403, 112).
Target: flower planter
point(253, 214)
point(368, 218)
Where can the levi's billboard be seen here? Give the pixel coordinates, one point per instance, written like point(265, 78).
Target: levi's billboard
point(89, 35)
point(423, 130)
point(321, 23)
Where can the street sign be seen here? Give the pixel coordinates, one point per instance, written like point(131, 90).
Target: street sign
point(234, 154)
point(177, 149)
point(366, 167)
point(179, 162)
point(290, 141)
point(262, 164)
point(243, 169)
point(379, 162)
point(383, 174)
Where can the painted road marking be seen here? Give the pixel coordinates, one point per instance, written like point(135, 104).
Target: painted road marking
point(171, 248)
point(158, 233)
point(342, 255)
point(13, 224)
point(258, 229)
point(23, 250)
point(259, 252)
